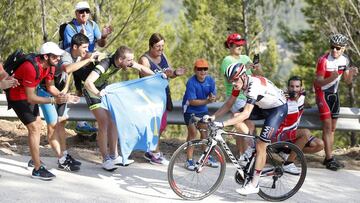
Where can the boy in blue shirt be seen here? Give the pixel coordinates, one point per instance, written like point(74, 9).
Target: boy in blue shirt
point(200, 91)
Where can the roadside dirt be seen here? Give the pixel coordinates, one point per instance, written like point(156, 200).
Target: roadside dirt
point(14, 141)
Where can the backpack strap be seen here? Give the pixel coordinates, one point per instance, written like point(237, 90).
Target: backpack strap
point(31, 58)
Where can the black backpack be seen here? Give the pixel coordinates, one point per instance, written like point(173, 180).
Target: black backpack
point(18, 57)
point(62, 30)
point(13, 62)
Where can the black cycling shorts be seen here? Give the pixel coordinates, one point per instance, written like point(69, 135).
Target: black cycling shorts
point(25, 111)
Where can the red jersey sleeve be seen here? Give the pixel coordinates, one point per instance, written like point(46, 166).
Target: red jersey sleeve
point(321, 66)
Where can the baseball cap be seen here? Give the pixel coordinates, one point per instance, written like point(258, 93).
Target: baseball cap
point(51, 48)
point(235, 38)
point(201, 63)
point(82, 5)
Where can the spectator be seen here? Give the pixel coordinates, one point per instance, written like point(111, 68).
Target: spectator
point(6, 81)
point(95, 83)
point(235, 43)
point(24, 101)
point(56, 115)
point(330, 67)
point(288, 129)
point(200, 91)
point(264, 101)
point(83, 24)
point(155, 59)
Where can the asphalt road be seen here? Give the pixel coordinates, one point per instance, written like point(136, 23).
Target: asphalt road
point(142, 182)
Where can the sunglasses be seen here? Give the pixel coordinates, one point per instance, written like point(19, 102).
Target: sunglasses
point(201, 69)
point(84, 11)
point(335, 47)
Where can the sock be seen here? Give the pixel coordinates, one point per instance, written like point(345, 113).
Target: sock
point(107, 157)
point(62, 159)
point(65, 153)
point(112, 156)
point(256, 177)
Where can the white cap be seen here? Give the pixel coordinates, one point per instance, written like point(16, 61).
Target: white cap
point(51, 48)
point(82, 5)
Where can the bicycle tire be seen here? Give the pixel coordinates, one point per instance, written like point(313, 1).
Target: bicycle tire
point(192, 185)
point(283, 184)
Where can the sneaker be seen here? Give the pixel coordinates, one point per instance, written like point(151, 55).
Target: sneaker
point(85, 129)
point(292, 169)
point(248, 189)
point(75, 162)
point(109, 165)
point(31, 164)
point(42, 174)
point(68, 165)
point(212, 162)
point(156, 158)
point(119, 161)
point(284, 155)
point(189, 165)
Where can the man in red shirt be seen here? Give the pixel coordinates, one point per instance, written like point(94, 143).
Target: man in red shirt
point(330, 67)
point(24, 101)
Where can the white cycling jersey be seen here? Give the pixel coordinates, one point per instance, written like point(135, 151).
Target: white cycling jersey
point(263, 93)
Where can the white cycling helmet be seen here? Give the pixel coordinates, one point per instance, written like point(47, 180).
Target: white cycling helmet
point(235, 70)
point(338, 39)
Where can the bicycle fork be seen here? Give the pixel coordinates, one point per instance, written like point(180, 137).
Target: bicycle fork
point(204, 157)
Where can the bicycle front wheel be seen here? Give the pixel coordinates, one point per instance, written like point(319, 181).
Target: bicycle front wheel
point(190, 184)
point(278, 182)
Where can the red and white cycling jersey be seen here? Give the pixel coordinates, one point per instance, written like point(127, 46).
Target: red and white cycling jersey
point(327, 64)
point(295, 111)
point(263, 93)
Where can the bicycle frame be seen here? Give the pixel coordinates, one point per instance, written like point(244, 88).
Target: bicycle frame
point(215, 137)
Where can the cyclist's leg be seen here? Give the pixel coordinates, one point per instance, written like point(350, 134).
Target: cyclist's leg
point(273, 119)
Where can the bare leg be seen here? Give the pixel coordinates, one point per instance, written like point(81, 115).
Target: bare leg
point(34, 141)
point(329, 126)
point(54, 139)
point(101, 117)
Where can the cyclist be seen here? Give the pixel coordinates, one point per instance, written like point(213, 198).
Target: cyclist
point(288, 129)
point(330, 67)
point(200, 91)
point(264, 101)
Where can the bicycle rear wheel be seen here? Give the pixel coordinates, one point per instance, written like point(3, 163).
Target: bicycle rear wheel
point(277, 183)
point(192, 185)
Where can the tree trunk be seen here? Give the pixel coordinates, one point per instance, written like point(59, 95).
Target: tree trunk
point(43, 19)
point(245, 24)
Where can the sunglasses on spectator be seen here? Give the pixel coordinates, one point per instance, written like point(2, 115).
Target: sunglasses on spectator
point(84, 11)
point(335, 47)
point(201, 69)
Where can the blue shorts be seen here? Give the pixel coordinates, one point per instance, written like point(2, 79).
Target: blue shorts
point(273, 118)
point(187, 116)
point(51, 111)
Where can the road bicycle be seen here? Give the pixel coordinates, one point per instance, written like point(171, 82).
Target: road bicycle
point(275, 183)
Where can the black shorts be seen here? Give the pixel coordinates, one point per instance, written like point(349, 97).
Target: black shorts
point(25, 111)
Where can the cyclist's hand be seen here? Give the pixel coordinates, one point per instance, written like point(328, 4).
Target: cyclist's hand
point(219, 124)
point(208, 118)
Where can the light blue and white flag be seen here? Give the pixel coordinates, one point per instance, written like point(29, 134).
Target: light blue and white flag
point(136, 107)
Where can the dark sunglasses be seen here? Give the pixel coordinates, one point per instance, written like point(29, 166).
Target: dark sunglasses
point(201, 69)
point(84, 11)
point(335, 47)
